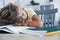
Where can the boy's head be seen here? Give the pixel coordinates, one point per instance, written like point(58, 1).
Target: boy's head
point(8, 14)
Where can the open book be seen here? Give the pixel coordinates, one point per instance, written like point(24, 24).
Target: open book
point(21, 29)
point(12, 29)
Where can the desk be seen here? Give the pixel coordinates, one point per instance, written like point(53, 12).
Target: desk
point(53, 37)
point(27, 37)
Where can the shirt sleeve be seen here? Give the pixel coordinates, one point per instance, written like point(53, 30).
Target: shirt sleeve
point(30, 12)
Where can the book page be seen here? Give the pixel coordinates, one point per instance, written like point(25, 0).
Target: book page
point(14, 29)
point(35, 33)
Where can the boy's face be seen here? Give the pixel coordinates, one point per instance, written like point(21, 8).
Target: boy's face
point(21, 16)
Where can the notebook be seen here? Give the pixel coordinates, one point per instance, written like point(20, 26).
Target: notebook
point(50, 30)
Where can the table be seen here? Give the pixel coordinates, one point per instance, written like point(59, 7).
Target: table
point(53, 37)
point(28, 37)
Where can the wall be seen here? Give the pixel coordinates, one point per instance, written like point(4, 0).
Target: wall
point(56, 4)
point(1, 4)
point(27, 2)
point(6, 2)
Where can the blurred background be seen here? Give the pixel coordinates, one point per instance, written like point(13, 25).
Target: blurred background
point(36, 5)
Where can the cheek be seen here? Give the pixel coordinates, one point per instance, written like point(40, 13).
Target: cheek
point(24, 16)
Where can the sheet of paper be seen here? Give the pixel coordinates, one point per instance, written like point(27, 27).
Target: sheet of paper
point(36, 33)
point(15, 29)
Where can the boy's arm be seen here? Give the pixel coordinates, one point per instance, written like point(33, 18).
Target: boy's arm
point(36, 22)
